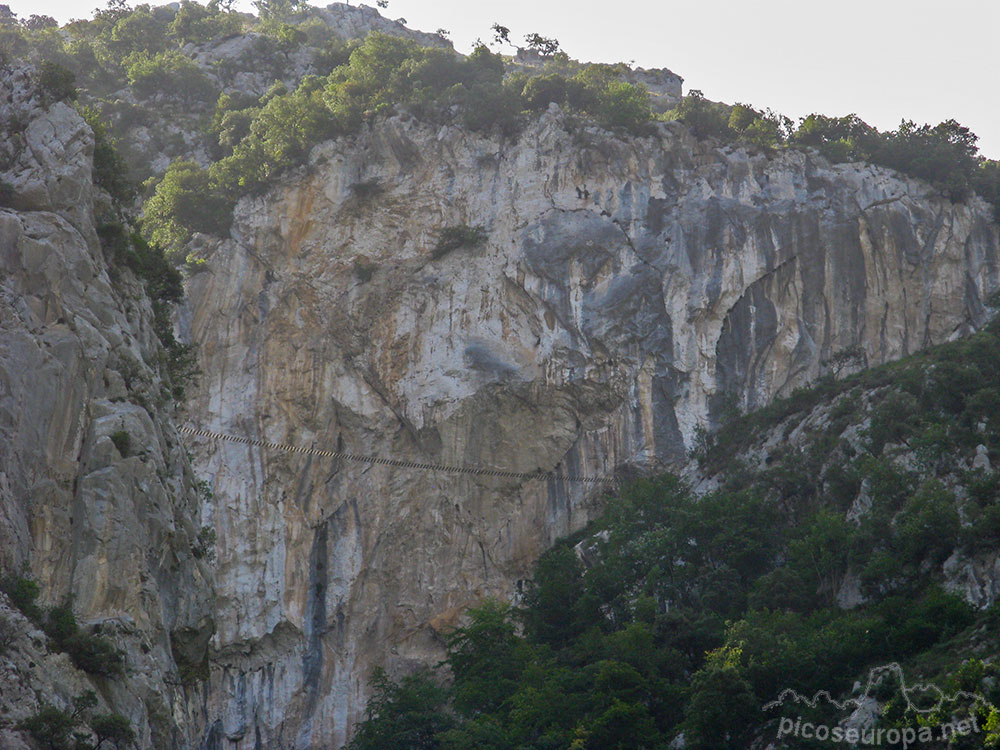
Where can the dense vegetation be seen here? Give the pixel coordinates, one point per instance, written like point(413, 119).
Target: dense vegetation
point(693, 612)
point(89, 652)
point(79, 727)
point(127, 60)
point(259, 139)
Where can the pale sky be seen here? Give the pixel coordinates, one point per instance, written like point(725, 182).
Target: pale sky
point(882, 59)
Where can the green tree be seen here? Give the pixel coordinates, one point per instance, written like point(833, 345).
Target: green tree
point(141, 31)
point(407, 715)
point(821, 551)
point(196, 23)
point(944, 155)
point(544, 46)
point(185, 201)
point(623, 726)
point(837, 138)
point(50, 727)
point(56, 82)
point(704, 118)
point(928, 525)
point(23, 593)
point(169, 75)
point(110, 170)
point(722, 709)
point(112, 729)
point(540, 91)
point(553, 599)
point(486, 658)
point(741, 116)
point(986, 182)
point(276, 9)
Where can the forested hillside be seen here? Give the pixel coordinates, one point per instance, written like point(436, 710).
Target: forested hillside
point(849, 526)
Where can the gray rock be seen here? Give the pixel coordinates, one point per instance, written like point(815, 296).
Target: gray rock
point(79, 361)
point(862, 505)
point(974, 578)
point(633, 285)
point(982, 459)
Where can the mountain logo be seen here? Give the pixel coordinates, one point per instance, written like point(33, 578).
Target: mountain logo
point(921, 698)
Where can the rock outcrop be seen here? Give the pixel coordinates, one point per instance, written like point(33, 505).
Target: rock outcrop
point(114, 527)
point(630, 290)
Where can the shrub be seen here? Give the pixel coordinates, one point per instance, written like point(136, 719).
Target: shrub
point(721, 710)
point(199, 23)
point(49, 726)
point(558, 585)
point(986, 182)
point(934, 617)
point(928, 525)
point(485, 657)
point(169, 75)
point(179, 360)
point(36, 22)
point(113, 729)
point(364, 269)
point(90, 653)
point(163, 282)
point(704, 118)
point(8, 634)
point(123, 443)
point(540, 91)
point(599, 90)
point(23, 593)
point(491, 106)
point(286, 37)
point(837, 138)
point(623, 105)
point(139, 31)
point(204, 546)
point(232, 119)
point(453, 238)
point(56, 82)
point(110, 171)
point(333, 53)
point(95, 655)
point(280, 136)
point(944, 155)
point(53, 726)
point(488, 107)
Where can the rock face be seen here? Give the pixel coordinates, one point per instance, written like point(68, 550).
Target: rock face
point(629, 291)
point(357, 21)
point(77, 365)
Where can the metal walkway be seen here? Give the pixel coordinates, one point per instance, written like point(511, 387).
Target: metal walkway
point(378, 461)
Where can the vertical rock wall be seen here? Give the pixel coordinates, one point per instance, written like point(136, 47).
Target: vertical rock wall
point(629, 290)
point(112, 527)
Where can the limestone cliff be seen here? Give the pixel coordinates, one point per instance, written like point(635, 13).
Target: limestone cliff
point(628, 290)
point(78, 364)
